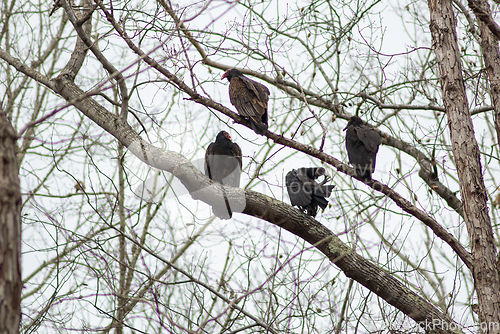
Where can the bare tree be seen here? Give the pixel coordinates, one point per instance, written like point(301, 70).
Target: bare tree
point(114, 105)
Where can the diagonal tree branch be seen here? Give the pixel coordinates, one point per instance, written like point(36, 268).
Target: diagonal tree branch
point(76, 96)
point(398, 199)
point(258, 205)
point(294, 89)
point(83, 27)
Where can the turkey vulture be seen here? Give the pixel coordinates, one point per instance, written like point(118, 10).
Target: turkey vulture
point(305, 192)
point(362, 142)
point(250, 99)
point(223, 161)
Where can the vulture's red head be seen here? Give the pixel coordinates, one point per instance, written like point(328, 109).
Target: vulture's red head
point(229, 74)
point(223, 135)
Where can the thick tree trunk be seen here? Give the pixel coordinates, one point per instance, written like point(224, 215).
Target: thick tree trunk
point(10, 231)
point(490, 53)
point(466, 154)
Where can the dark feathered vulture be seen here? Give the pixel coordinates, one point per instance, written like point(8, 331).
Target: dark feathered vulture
point(250, 99)
point(305, 192)
point(223, 163)
point(362, 142)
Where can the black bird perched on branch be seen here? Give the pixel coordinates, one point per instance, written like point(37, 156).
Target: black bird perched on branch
point(58, 4)
point(305, 192)
point(362, 142)
point(250, 99)
point(223, 163)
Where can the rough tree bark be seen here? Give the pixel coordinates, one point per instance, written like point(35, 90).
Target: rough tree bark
point(491, 54)
point(466, 153)
point(10, 227)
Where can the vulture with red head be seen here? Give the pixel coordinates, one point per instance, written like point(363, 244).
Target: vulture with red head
point(362, 142)
point(223, 163)
point(250, 99)
point(305, 192)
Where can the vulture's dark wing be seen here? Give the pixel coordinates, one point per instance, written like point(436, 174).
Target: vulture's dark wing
point(238, 155)
point(223, 166)
point(369, 136)
point(371, 139)
point(299, 188)
point(234, 166)
point(362, 142)
point(259, 90)
point(305, 192)
point(318, 201)
point(245, 100)
point(209, 154)
point(321, 191)
point(250, 99)
point(223, 162)
point(356, 150)
point(359, 156)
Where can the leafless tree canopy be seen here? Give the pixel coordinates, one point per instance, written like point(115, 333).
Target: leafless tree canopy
point(115, 103)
